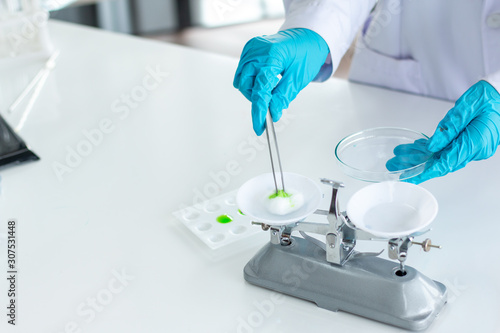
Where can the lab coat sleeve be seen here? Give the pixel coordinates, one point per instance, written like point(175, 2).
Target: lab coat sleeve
point(494, 80)
point(337, 21)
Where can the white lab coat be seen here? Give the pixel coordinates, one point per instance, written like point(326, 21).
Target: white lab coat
point(436, 48)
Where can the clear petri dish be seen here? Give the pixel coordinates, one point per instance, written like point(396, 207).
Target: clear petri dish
point(364, 155)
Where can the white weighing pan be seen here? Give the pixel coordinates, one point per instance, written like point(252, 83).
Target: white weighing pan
point(392, 209)
point(253, 198)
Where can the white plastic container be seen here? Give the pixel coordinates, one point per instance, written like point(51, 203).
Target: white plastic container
point(24, 34)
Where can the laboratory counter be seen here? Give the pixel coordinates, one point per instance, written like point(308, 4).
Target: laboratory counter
point(131, 132)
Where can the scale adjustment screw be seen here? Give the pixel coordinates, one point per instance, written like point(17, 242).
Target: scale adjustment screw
point(426, 245)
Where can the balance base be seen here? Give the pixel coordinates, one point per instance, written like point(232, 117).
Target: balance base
point(366, 286)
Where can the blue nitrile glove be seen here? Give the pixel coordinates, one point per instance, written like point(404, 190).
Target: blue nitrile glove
point(470, 131)
point(296, 54)
point(408, 156)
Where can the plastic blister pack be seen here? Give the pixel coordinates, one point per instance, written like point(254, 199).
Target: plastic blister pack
point(217, 222)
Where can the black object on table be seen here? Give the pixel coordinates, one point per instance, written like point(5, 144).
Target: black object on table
point(13, 149)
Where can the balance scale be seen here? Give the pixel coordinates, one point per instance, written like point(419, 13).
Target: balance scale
point(340, 278)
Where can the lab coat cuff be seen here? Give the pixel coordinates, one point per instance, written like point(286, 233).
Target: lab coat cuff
point(494, 80)
point(337, 22)
point(325, 71)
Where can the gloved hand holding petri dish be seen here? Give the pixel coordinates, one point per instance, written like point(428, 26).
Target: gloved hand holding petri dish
point(470, 131)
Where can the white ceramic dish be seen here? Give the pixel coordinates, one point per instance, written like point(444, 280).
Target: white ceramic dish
point(253, 198)
point(392, 209)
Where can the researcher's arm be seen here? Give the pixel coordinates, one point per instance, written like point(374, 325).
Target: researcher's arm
point(470, 131)
point(309, 46)
point(336, 21)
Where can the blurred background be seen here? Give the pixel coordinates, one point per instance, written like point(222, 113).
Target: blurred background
point(218, 26)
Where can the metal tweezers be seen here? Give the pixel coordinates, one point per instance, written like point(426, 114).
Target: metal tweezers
point(270, 127)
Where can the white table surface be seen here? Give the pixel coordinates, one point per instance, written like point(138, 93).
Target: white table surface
point(112, 214)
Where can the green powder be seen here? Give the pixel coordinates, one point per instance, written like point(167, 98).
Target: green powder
point(280, 194)
point(224, 218)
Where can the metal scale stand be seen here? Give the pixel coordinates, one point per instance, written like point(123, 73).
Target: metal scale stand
point(336, 277)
